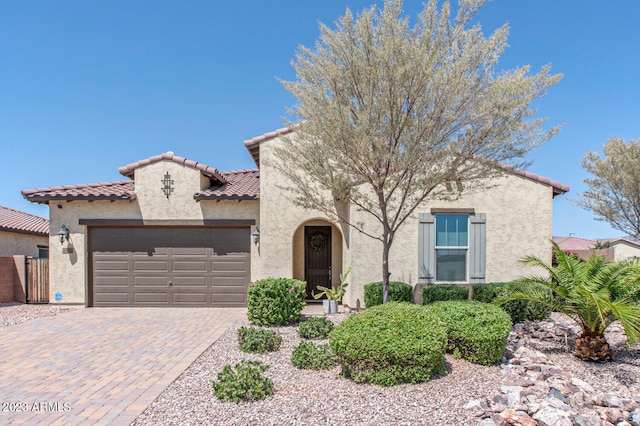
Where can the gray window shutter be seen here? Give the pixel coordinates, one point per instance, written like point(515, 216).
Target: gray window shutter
point(477, 247)
point(427, 248)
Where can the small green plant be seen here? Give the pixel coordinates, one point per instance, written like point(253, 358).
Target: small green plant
point(390, 344)
point(437, 293)
point(245, 383)
point(518, 310)
point(398, 292)
point(309, 356)
point(275, 301)
point(315, 328)
point(258, 340)
point(476, 331)
point(334, 293)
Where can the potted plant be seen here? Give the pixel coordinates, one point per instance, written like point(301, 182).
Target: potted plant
point(333, 294)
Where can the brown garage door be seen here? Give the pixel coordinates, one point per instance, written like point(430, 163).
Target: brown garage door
point(170, 266)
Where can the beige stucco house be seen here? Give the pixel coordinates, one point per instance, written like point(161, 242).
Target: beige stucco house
point(180, 233)
point(23, 234)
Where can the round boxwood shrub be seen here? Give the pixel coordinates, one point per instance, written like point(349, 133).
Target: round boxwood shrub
point(275, 301)
point(437, 293)
point(476, 331)
point(315, 328)
point(258, 340)
point(308, 355)
point(398, 292)
point(390, 344)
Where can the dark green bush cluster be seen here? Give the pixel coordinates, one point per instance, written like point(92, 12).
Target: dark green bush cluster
point(245, 383)
point(518, 310)
point(275, 301)
point(258, 340)
point(398, 292)
point(390, 344)
point(476, 331)
point(315, 328)
point(308, 355)
point(437, 293)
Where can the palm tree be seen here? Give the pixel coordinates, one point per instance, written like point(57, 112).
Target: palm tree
point(593, 293)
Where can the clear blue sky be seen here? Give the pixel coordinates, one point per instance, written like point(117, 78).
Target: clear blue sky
point(86, 87)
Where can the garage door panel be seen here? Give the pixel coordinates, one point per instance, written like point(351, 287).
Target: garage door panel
point(112, 281)
point(229, 299)
point(190, 266)
point(111, 265)
point(179, 281)
point(161, 298)
point(150, 265)
point(190, 251)
point(190, 298)
point(150, 281)
point(115, 298)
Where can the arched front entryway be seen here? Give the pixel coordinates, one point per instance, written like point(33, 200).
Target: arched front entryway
point(317, 254)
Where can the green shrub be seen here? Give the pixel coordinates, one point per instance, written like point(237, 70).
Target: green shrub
point(518, 310)
point(390, 344)
point(437, 293)
point(308, 355)
point(258, 340)
point(246, 383)
point(476, 331)
point(315, 328)
point(275, 301)
point(398, 292)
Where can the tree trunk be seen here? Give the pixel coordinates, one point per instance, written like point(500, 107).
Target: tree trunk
point(592, 347)
point(385, 271)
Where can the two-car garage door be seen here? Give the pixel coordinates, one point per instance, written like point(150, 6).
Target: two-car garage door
point(188, 266)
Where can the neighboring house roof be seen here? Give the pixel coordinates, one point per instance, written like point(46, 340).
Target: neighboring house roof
point(211, 172)
point(233, 185)
point(240, 185)
point(23, 223)
point(253, 146)
point(574, 243)
point(621, 240)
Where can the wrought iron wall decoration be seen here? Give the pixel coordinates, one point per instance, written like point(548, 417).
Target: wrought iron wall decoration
point(318, 241)
point(167, 189)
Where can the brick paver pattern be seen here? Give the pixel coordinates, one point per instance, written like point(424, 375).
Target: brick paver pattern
point(100, 365)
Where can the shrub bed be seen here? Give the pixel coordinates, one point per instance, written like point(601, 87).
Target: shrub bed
point(476, 331)
point(275, 301)
point(398, 292)
point(258, 340)
point(245, 383)
point(518, 310)
point(308, 355)
point(390, 344)
point(437, 293)
point(315, 328)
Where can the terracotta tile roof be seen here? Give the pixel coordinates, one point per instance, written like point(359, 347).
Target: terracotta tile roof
point(240, 185)
point(574, 243)
point(121, 190)
point(24, 223)
point(253, 146)
point(211, 172)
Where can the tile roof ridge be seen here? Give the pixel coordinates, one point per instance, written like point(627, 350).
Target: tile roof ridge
point(257, 140)
point(127, 170)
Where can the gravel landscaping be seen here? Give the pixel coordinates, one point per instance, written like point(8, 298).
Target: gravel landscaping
point(16, 313)
point(320, 398)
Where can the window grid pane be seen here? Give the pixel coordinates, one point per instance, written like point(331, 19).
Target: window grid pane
point(452, 230)
point(451, 265)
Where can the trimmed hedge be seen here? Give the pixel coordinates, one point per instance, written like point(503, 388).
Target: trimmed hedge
point(437, 293)
point(275, 301)
point(518, 310)
point(245, 383)
point(390, 344)
point(476, 331)
point(315, 328)
point(398, 292)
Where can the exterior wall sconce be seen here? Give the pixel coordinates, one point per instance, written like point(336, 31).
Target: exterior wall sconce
point(63, 234)
point(256, 236)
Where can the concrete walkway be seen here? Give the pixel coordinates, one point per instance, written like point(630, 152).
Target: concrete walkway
point(100, 365)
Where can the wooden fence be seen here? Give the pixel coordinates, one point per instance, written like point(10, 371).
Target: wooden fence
point(38, 280)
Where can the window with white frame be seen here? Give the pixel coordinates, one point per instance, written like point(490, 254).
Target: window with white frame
point(452, 246)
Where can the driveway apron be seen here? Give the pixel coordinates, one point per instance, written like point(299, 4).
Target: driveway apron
point(100, 365)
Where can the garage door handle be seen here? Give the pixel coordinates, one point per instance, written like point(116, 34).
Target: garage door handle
point(170, 283)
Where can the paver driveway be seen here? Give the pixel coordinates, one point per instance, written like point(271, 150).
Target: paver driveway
point(100, 365)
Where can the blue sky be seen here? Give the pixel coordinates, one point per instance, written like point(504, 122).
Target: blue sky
point(87, 87)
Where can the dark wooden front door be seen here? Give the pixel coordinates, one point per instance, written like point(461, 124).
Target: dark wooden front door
point(317, 257)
